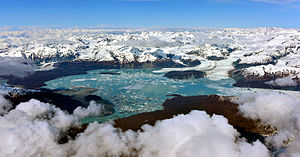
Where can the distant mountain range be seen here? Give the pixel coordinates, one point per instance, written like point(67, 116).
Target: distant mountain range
point(259, 53)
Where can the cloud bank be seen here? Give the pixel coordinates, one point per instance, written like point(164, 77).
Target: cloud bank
point(153, 42)
point(34, 129)
point(16, 66)
point(282, 82)
point(4, 105)
point(279, 110)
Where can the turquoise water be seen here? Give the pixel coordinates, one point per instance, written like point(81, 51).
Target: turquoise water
point(138, 90)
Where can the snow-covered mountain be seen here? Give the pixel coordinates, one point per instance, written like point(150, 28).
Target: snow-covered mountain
point(94, 45)
point(254, 52)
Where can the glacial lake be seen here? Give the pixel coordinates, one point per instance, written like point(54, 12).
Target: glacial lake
point(139, 90)
point(134, 91)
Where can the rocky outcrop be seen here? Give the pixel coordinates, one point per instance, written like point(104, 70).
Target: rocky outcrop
point(269, 76)
point(211, 104)
point(63, 101)
point(189, 74)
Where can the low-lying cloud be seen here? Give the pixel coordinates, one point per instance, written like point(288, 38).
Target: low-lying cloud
point(148, 43)
point(279, 110)
point(16, 66)
point(282, 82)
point(4, 105)
point(93, 109)
point(34, 129)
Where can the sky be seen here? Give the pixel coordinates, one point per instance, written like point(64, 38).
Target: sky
point(167, 13)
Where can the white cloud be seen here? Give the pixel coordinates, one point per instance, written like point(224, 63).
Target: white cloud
point(34, 128)
point(16, 66)
point(93, 109)
point(4, 105)
point(281, 111)
point(153, 42)
point(282, 82)
point(277, 1)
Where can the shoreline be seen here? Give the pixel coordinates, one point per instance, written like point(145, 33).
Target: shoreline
point(211, 104)
point(69, 68)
